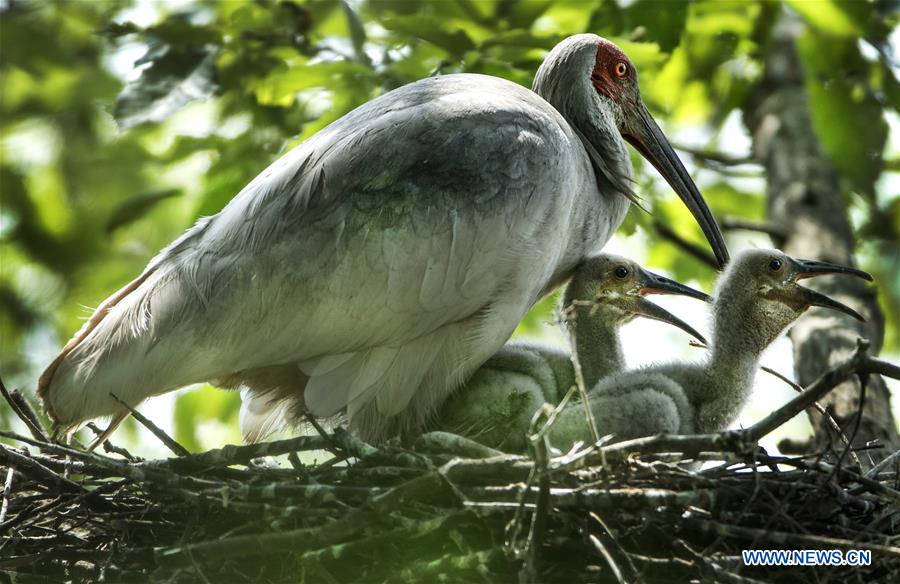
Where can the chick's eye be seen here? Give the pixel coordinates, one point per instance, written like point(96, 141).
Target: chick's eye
point(775, 264)
point(621, 69)
point(621, 272)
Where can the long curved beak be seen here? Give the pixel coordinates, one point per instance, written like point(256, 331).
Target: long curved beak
point(644, 134)
point(811, 268)
point(655, 284)
point(644, 307)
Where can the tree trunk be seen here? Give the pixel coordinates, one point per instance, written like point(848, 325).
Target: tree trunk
point(805, 199)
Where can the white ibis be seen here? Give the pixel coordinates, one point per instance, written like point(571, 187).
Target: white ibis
point(378, 264)
point(496, 405)
point(756, 298)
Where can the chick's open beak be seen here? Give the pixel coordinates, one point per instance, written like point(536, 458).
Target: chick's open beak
point(811, 268)
point(655, 284)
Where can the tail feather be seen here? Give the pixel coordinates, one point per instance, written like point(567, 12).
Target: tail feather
point(137, 344)
point(271, 398)
point(46, 379)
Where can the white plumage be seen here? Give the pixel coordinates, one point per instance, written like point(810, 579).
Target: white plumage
point(376, 265)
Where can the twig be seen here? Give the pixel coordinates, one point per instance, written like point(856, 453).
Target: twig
point(729, 222)
point(22, 409)
point(349, 444)
point(169, 442)
point(432, 571)
point(579, 378)
point(859, 414)
point(540, 448)
point(631, 498)
point(108, 446)
point(332, 445)
point(727, 441)
point(447, 443)
point(601, 549)
point(692, 249)
point(783, 538)
point(551, 415)
point(872, 485)
point(234, 454)
point(889, 460)
point(612, 538)
point(39, 472)
point(198, 570)
point(7, 493)
point(879, 367)
point(817, 389)
point(825, 415)
point(718, 158)
point(395, 537)
point(295, 540)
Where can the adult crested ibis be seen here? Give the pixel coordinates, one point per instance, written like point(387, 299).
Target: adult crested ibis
point(378, 264)
point(497, 403)
point(755, 299)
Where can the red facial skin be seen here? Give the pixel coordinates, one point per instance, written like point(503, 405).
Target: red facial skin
point(607, 76)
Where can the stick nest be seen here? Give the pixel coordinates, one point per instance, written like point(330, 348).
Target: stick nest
point(444, 508)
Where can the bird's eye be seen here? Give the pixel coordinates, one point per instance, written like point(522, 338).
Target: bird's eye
point(775, 264)
point(621, 272)
point(621, 69)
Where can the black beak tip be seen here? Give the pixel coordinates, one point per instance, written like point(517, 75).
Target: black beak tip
point(656, 284)
point(812, 268)
point(722, 257)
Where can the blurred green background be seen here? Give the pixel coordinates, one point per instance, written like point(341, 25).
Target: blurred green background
point(123, 121)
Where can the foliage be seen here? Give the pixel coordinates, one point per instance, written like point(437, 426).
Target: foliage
point(124, 121)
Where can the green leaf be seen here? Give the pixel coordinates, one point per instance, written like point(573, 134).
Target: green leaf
point(281, 86)
point(842, 18)
point(847, 118)
point(173, 79)
point(357, 33)
point(661, 24)
point(456, 42)
point(569, 16)
point(135, 207)
point(522, 38)
point(541, 315)
point(522, 13)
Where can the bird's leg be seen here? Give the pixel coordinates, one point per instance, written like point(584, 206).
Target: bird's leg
point(113, 425)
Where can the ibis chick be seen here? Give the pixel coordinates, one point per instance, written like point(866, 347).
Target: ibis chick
point(756, 298)
point(496, 405)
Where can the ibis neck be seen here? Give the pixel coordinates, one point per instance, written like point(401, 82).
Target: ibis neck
point(598, 346)
point(564, 81)
point(596, 335)
point(735, 353)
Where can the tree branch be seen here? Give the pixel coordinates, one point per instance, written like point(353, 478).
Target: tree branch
point(169, 442)
point(22, 409)
point(805, 200)
point(692, 249)
point(712, 156)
